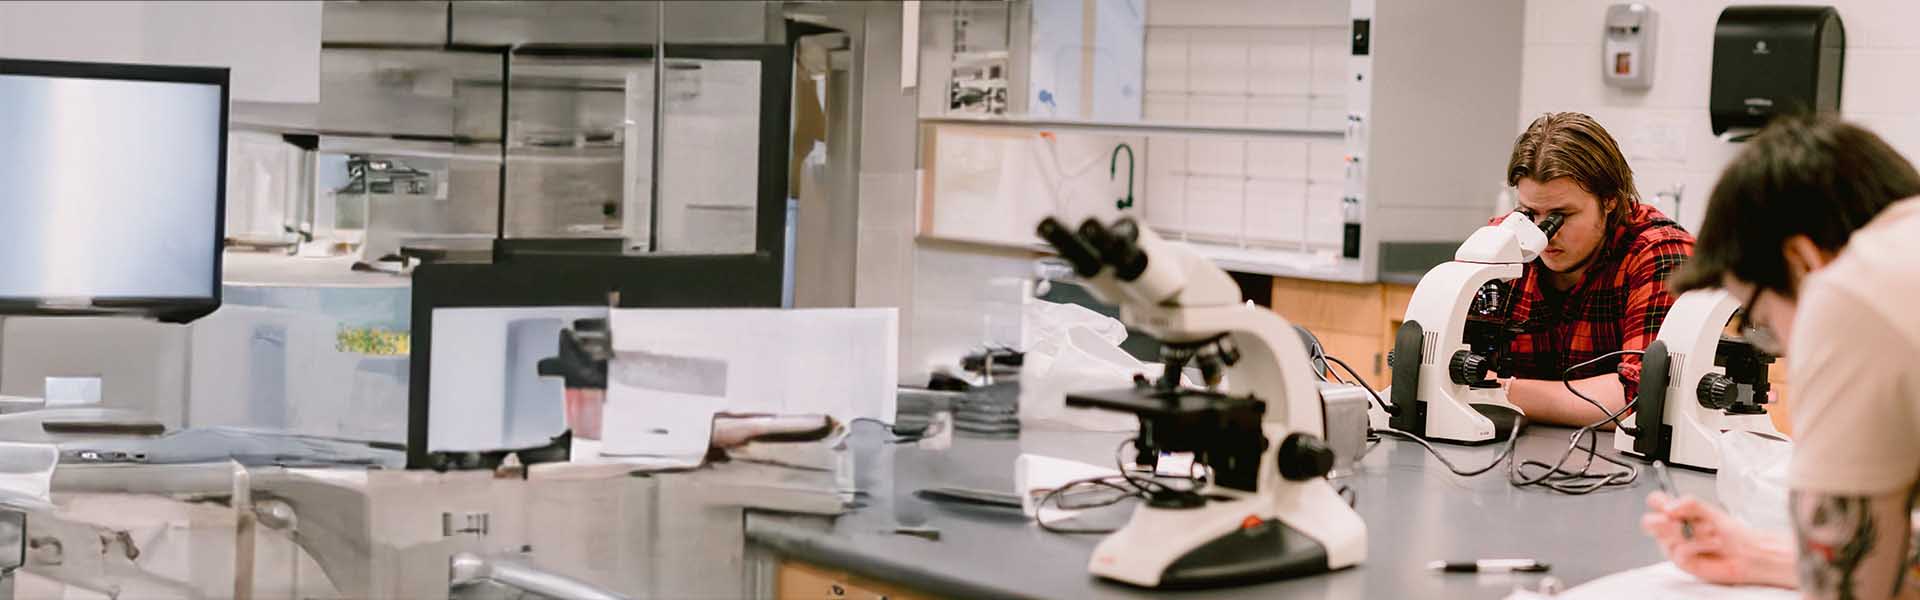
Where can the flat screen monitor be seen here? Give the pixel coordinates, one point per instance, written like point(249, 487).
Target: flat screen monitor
point(112, 188)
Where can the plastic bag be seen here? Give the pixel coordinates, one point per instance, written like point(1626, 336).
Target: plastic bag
point(1752, 482)
point(1049, 321)
point(1071, 348)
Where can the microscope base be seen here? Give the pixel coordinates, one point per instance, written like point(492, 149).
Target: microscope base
point(1223, 543)
point(1503, 417)
point(1268, 552)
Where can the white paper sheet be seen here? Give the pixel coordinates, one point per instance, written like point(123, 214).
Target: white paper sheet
point(1662, 581)
point(1035, 475)
point(675, 368)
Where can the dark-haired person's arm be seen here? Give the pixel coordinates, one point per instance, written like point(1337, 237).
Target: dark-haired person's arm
point(1647, 302)
point(1855, 458)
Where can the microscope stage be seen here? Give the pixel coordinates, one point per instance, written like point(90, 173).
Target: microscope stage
point(1150, 402)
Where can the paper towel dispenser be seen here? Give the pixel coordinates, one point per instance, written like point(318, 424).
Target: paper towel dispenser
point(1770, 60)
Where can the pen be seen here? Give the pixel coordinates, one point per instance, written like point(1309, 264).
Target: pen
point(1491, 565)
point(1666, 485)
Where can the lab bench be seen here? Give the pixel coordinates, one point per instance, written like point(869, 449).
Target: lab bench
point(1416, 512)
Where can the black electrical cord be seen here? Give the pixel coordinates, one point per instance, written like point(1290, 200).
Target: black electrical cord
point(1317, 356)
point(1057, 497)
point(1331, 374)
point(1150, 486)
point(1572, 482)
point(1566, 380)
point(1506, 451)
point(910, 436)
point(1363, 382)
point(1123, 486)
point(1557, 476)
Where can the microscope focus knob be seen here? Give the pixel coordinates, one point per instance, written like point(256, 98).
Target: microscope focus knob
point(1304, 456)
point(1468, 368)
point(1716, 391)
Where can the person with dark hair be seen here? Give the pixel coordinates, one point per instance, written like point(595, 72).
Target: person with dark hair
point(1599, 287)
point(1815, 225)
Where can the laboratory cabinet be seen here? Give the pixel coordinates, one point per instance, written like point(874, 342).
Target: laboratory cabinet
point(795, 580)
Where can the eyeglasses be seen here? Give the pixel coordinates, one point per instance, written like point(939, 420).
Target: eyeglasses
point(1761, 336)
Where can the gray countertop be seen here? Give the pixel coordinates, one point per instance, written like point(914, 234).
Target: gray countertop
point(1416, 512)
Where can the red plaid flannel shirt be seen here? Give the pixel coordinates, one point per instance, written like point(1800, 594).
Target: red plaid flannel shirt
point(1618, 306)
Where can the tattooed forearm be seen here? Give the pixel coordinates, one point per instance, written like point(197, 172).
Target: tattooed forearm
point(1851, 546)
point(1836, 533)
point(1911, 565)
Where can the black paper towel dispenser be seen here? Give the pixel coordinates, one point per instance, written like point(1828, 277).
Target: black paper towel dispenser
point(1770, 60)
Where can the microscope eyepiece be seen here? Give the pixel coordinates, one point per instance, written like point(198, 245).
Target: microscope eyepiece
point(1074, 248)
point(1096, 234)
point(1119, 246)
point(1551, 225)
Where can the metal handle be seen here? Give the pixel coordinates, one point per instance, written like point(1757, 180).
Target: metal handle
point(467, 568)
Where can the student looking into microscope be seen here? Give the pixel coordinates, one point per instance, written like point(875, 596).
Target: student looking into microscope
point(1600, 286)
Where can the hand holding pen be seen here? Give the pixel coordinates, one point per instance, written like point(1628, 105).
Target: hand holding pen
point(1665, 479)
point(1713, 546)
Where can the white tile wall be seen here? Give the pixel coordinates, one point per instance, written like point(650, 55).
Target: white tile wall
point(1282, 64)
point(1263, 191)
point(1215, 207)
point(991, 184)
point(1232, 75)
point(1286, 112)
point(1216, 156)
point(1275, 210)
point(1245, 63)
point(1278, 159)
point(1664, 131)
point(1166, 58)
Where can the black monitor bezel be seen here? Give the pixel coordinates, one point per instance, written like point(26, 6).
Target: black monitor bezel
point(171, 310)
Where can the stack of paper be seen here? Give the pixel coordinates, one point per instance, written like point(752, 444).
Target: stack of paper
point(1662, 581)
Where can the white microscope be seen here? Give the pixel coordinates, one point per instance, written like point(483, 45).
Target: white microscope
point(1694, 384)
point(1266, 510)
point(1447, 344)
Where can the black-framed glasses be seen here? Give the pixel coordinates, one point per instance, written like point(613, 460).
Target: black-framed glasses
point(1760, 336)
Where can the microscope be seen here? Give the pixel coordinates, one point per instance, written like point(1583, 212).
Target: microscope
point(1456, 331)
point(1266, 510)
point(1695, 383)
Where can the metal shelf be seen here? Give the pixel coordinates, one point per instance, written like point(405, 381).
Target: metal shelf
point(1137, 128)
point(1277, 262)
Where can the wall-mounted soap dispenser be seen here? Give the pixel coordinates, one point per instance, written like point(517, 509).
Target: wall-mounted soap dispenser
point(1770, 60)
point(1626, 50)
